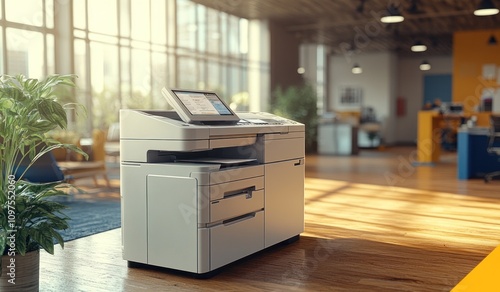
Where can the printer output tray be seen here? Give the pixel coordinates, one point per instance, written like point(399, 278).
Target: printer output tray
point(222, 161)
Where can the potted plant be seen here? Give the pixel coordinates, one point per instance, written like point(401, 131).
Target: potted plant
point(298, 103)
point(29, 220)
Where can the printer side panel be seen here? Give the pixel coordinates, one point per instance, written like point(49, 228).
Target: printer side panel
point(284, 200)
point(284, 186)
point(172, 222)
point(133, 208)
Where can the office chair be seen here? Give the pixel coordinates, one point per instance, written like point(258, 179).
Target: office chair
point(44, 170)
point(493, 144)
point(112, 144)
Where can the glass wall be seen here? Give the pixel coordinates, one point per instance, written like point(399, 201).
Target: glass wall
point(27, 34)
point(125, 51)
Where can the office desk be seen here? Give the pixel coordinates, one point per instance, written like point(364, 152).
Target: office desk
point(474, 161)
point(337, 138)
point(430, 125)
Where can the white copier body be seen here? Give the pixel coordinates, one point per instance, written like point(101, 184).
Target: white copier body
point(197, 197)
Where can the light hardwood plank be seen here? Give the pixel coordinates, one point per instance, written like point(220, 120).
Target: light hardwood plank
point(373, 222)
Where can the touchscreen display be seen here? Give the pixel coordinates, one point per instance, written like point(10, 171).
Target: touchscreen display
point(200, 103)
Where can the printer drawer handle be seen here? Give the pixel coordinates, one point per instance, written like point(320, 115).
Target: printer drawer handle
point(246, 191)
point(239, 219)
point(300, 162)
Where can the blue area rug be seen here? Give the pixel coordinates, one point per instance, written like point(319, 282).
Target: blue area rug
point(92, 209)
point(90, 217)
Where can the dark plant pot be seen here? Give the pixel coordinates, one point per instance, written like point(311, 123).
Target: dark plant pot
point(26, 272)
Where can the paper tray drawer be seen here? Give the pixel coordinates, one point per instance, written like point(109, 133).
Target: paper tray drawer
point(235, 240)
point(218, 192)
point(236, 205)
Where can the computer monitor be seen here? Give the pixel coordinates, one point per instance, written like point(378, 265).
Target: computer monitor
point(202, 107)
point(456, 108)
point(452, 108)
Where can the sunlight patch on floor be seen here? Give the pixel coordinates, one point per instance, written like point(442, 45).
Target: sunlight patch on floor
point(399, 214)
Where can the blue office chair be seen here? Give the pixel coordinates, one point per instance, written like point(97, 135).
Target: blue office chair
point(44, 170)
point(493, 144)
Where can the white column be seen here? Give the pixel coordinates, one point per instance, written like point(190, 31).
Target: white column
point(258, 65)
point(63, 21)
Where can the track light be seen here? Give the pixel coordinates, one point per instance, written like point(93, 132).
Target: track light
point(392, 15)
point(418, 47)
point(485, 8)
point(356, 69)
point(425, 66)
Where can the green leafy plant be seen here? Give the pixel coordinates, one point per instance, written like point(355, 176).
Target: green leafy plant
point(298, 103)
point(37, 220)
point(29, 110)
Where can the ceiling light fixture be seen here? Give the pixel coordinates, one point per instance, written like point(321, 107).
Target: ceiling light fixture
point(392, 15)
point(425, 66)
point(418, 47)
point(485, 8)
point(492, 41)
point(356, 69)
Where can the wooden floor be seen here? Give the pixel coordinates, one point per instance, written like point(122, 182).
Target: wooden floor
point(373, 223)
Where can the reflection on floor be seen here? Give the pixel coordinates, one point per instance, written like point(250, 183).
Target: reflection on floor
point(373, 222)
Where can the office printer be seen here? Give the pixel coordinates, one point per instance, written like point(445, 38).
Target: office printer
point(201, 188)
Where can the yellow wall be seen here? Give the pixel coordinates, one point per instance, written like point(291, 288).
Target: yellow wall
point(470, 52)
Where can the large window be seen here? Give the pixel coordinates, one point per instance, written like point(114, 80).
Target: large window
point(211, 51)
point(28, 46)
point(127, 50)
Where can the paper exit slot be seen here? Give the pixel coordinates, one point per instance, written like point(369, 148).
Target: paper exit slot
point(224, 162)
